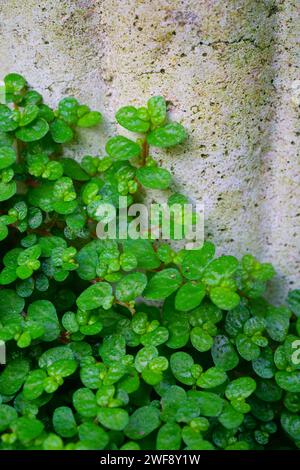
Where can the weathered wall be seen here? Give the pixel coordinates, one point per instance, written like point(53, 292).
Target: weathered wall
point(229, 69)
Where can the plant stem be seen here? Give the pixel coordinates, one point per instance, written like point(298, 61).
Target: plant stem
point(145, 152)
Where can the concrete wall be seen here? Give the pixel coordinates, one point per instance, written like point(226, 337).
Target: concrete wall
point(230, 71)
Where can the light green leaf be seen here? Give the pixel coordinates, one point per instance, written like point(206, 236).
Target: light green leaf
point(121, 148)
point(94, 296)
point(167, 136)
point(189, 296)
point(154, 177)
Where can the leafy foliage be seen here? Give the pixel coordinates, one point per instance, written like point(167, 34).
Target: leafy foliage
point(208, 363)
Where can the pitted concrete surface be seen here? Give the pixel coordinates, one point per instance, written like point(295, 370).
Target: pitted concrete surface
point(230, 72)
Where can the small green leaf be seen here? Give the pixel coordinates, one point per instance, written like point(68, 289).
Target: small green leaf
point(189, 296)
point(44, 313)
point(142, 422)
point(34, 131)
point(167, 136)
point(278, 321)
point(14, 83)
point(62, 368)
point(144, 253)
point(264, 365)
point(157, 109)
point(115, 419)
point(7, 157)
point(13, 376)
point(34, 384)
point(200, 339)
point(212, 378)
point(154, 177)
point(195, 261)
point(61, 132)
point(92, 436)
point(73, 170)
point(7, 190)
point(224, 298)
point(130, 287)
point(291, 424)
point(293, 300)
point(90, 119)
point(94, 296)
point(219, 269)
point(68, 109)
point(289, 381)
point(112, 349)
point(246, 348)
point(28, 428)
point(32, 97)
point(8, 119)
point(28, 115)
point(128, 117)
point(155, 337)
point(223, 353)
point(7, 416)
point(242, 387)
point(84, 402)
point(64, 422)
point(209, 403)
point(90, 375)
point(194, 440)
point(11, 304)
point(181, 365)
point(163, 284)
point(121, 148)
point(230, 418)
point(52, 355)
point(169, 437)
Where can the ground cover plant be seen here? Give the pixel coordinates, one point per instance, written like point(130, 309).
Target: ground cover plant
point(207, 364)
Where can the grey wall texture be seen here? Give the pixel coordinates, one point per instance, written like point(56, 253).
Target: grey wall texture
point(230, 71)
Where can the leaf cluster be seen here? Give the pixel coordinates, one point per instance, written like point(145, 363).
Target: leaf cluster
point(127, 344)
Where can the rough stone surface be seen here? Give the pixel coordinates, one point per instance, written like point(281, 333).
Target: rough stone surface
point(230, 71)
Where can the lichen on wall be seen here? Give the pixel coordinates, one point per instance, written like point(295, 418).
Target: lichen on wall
point(228, 69)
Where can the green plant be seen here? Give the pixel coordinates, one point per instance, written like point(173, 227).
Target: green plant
point(211, 365)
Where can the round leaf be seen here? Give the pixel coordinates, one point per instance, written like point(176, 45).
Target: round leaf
point(167, 136)
point(163, 284)
point(224, 298)
point(94, 296)
point(128, 117)
point(157, 109)
point(154, 177)
point(189, 296)
point(142, 422)
point(169, 437)
point(115, 419)
point(200, 339)
point(13, 376)
point(44, 313)
point(121, 148)
point(61, 132)
point(7, 157)
point(34, 131)
point(223, 353)
point(130, 287)
point(64, 422)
